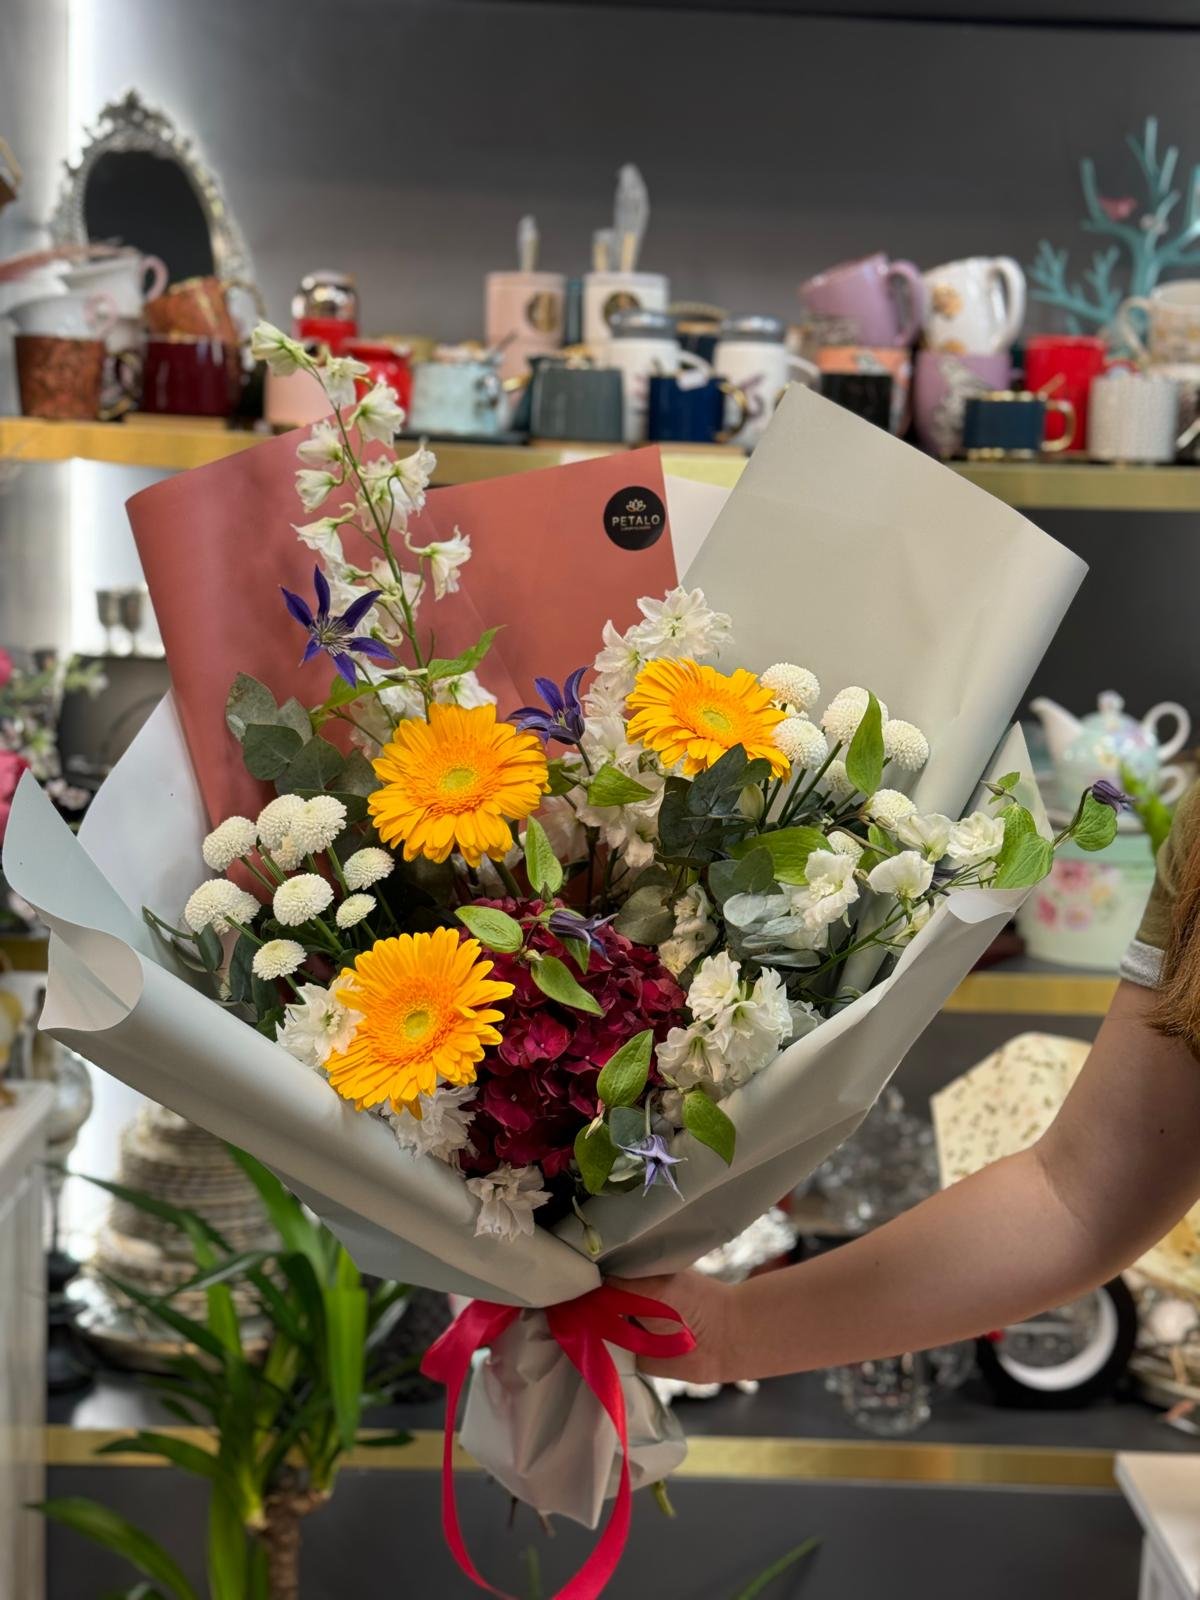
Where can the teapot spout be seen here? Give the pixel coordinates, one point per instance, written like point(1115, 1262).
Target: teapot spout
point(1060, 727)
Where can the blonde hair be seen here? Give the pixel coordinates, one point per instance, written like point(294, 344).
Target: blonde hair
point(1176, 1012)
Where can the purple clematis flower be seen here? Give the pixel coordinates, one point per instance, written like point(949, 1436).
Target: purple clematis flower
point(335, 635)
point(652, 1150)
point(563, 718)
point(567, 924)
point(1109, 795)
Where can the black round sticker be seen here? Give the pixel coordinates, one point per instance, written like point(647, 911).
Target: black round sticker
point(635, 518)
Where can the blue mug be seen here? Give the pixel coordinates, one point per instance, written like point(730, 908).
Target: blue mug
point(692, 413)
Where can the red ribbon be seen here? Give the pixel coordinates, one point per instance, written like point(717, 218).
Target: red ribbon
point(582, 1328)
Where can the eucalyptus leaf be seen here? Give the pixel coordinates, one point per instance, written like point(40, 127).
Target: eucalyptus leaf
point(627, 1125)
point(864, 759)
point(752, 873)
point(554, 980)
point(267, 749)
point(249, 702)
point(317, 766)
point(293, 715)
point(624, 1074)
point(646, 917)
point(358, 776)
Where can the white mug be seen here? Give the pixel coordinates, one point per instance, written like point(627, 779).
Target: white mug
point(1172, 314)
point(974, 307)
point(123, 277)
point(1132, 416)
point(456, 397)
point(66, 316)
point(523, 312)
point(606, 293)
point(643, 345)
point(752, 356)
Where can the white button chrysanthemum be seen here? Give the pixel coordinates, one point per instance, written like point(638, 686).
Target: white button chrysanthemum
point(368, 866)
point(801, 741)
point(792, 685)
point(287, 854)
point(318, 824)
point(844, 844)
point(905, 744)
point(275, 820)
point(216, 904)
point(889, 808)
point(845, 711)
point(354, 908)
point(278, 958)
point(835, 782)
point(229, 842)
point(300, 899)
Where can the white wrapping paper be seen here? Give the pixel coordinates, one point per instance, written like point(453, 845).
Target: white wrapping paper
point(841, 549)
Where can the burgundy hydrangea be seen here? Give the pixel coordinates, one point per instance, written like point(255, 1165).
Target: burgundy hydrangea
point(538, 1088)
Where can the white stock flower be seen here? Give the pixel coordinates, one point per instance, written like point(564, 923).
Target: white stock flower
point(621, 659)
point(317, 824)
point(975, 839)
point(275, 819)
point(338, 373)
point(801, 741)
point(314, 485)
point(632, 830)
point(323, 537)
point(278, 958)
point(726, 1048)
point(229, 842)
point(905, 744)
point(218, 903)
point(465, 690)
point(300, 899)
point(316, 1025)
point(353, 909)
point(829, 889)
point(444, 1126)
point(844, 713)
point(282, 354)
point(379, 414)
point(681, 624)
point(367, 866)
point(445, 556)
point(688, 1057)
point(889, 808)
point(716, 986)
point(929, 834)
point(508, 1198)
point(907, 875)
point(322, 448)
point(693, 932)
point(845, 844)
point(794, 687)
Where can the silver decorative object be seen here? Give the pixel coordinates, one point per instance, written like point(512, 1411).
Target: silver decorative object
point(885, 1168)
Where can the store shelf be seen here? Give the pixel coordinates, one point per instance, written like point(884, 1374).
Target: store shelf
point(1033, 991)
point(172, 445)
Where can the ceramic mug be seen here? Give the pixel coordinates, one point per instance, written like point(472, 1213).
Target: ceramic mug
point(975, 305)
point(385, 363)
point(644, 345)
point(1185, 375)
point(199, 306)
point(752, 356)
point(1010, 425)
point(122, 277)
point(693, 413)
point(65, 316)
point(582, 403)
point(1172, 316)
point(189, 375)
point(942, 384)
point(1133, 416)
point(60, 378)
point(606, 293)
point(867, 394)
point(862, 294)
point(1062, 367)
point(523, 314)
point(456, 397)
point(864, 358)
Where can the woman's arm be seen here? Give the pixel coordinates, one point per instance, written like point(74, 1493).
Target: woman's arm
point(1118, 1167)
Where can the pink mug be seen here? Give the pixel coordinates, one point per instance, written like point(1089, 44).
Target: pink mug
point(861, 295)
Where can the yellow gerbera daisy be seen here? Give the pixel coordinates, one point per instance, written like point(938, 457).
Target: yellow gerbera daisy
point(455, 782)
point(426, 1005)
point(693, 714)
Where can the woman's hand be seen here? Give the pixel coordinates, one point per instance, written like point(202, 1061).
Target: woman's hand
point(709, 1309)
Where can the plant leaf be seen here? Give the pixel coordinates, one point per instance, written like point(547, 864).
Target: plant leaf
point(705, 1121)
point(579, 950)
point(543, 866)
point(293, 715)
point(553, 979)
point(646, 917)
point(357, 777)
point(623, 1076)
point(249, 701)
point(106, 1528)
point(1097, 825)
point(864, 759)
point(562, 778)
point(596, 1155)
point(268, 748)
point(1025, 857)
point(612, 787)
point(189, 1457)
point(228, 1546)
point(788, 848)
point(494, 929)
point(751, 872)
point(317, 766)
point(345, 1333)
point(455, 666)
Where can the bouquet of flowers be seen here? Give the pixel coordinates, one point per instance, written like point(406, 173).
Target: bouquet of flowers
point(507, 992)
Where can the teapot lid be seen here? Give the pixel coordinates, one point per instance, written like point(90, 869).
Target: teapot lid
point(755, 327)
point(638, 322)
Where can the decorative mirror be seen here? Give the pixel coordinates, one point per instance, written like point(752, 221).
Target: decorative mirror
point(141, 182)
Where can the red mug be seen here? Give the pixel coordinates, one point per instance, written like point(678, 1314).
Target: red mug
point(385, 363)
point(331, 331)
point(1061, 367)
point(189, 375)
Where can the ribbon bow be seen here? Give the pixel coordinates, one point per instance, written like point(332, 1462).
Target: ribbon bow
point(582, 1328)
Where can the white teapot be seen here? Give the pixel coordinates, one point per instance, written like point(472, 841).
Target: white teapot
point(1084, 750)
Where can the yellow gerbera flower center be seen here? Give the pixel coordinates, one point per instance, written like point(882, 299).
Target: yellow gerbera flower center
point(426, 1004)
point(456, 782)
point(691, 715)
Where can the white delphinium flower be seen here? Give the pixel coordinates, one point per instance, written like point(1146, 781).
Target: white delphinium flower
point(323, 537)
point(929, 834)
point(322, 448)
point(716, 986)
point(905, 744)
point(845, 711)
point(368, 866)
point(218, 904)
point(314, 485)
point(301, 898)
point(693, 933)
point(379, 415)
point(795, 688)
point(975, 839)
point(278, 958)
point(338, 373)
point(681, 624)
point(395, 594)
point(353, 909)
point(845, 844)
point(276, 818)
point(907, 875)
point(567, 836)
point(316, 1025)
point(401, 701)
point(620, 660)
point(318, 824)
point(836, 781)
point(465, 690)
point(444, 1126)
point(229, 842)
point(829, 889)
point(801, 741)
point(411, 475)
point(445, 556)
point(508, 1198)
point(282, 354)
point(889, 808)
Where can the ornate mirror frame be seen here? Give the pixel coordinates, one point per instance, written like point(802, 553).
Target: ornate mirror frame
point(130, 124)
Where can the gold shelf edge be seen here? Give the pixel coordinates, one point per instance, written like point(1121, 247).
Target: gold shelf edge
point(1033, 994)
point(733, 1458)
